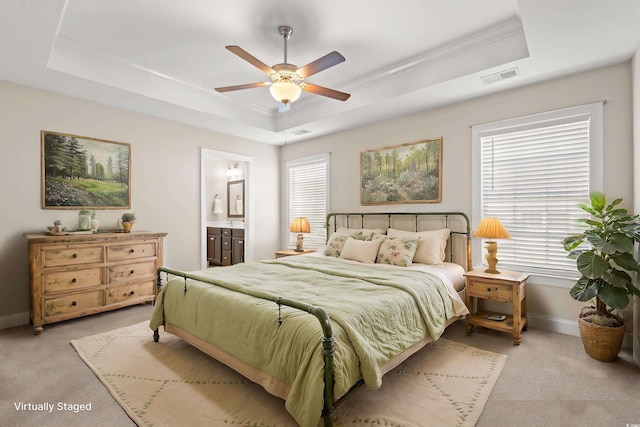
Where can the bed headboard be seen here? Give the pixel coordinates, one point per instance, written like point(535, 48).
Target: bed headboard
point(458, 246)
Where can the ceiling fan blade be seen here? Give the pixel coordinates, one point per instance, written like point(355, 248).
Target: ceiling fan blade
point(250, 59)
point(239, 87)
point(319, 90)
point(321, 64)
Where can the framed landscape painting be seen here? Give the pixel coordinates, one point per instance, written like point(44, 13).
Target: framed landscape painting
point(405, 173)
point(79, 172)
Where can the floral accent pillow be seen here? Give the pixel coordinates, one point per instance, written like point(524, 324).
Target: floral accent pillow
point(431, 247)
point(396, 250)
point(336, 242)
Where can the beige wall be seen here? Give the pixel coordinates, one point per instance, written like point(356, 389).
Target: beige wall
point(166, 156)
point(549, 306)
point(165, 181)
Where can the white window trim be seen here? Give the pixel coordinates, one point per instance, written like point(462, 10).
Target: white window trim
point(596, 169)
point(326, 157)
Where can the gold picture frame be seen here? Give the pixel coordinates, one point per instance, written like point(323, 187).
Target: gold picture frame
point(80, 172)
point(403, 173)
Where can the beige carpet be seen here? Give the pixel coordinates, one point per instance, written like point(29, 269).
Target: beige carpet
point(170, 383)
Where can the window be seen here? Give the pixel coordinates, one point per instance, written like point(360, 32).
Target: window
point(308, 196)
point(531, 173)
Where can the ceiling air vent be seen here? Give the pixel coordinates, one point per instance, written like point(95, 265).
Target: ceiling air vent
point(502, 75)
point(300, 132)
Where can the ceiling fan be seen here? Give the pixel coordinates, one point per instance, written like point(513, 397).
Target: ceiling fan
point(286, 80)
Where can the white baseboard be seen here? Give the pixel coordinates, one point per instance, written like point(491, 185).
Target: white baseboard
point(11, 320)
point(554, 324)
point(564, 326)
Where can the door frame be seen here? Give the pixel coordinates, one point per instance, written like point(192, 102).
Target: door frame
point(206, 153)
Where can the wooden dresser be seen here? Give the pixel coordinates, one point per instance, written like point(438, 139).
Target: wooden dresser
point(80, 274)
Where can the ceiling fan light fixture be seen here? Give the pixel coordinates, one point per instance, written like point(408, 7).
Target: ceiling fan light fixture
point(285, 91)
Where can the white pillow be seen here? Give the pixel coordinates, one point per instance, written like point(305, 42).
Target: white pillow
point(360, 250)
point(431, 246)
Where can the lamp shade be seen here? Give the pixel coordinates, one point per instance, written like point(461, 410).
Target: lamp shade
point(285, 91)
point(491, 228)
point(300, 225)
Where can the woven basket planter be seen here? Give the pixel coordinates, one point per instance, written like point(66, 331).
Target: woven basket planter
point(601, 342)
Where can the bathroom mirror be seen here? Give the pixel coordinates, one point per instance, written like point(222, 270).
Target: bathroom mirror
point(235, 199)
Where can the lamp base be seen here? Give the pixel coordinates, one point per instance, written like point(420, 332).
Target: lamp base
point(299, 243)
point(492, 250)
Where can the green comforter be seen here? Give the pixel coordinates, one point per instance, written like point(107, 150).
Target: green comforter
point(376, 313)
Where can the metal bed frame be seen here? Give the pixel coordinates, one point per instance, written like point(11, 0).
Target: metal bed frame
point(328, 346)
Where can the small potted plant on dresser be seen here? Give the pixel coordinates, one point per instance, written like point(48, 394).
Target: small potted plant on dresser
point(606, 271)
point(128, 218)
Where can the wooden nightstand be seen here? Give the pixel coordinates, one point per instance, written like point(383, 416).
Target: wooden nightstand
point(291, 252)
point(507, 286)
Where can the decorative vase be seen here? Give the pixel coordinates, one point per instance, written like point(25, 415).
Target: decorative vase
point(84, 221)
point(603, 343)
point(127, 226)
point(94, 222)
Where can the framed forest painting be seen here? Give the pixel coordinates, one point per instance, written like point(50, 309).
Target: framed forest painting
point(404, 173)
point(80, 172)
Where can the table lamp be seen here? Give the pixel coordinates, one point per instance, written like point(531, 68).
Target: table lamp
point(299, 225)
point(491, 228)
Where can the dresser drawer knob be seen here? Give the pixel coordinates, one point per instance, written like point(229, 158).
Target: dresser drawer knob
point(132, 293)
point(132, 271)
point(74, 256)
point(488, 289)
point(73, 303)
point(131, 250)
point(74, 280)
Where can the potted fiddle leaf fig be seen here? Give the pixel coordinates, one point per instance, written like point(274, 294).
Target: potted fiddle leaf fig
point(607, 268)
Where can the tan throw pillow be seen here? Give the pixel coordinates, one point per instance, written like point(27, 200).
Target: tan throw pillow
point(431, 246)
point(364, 251)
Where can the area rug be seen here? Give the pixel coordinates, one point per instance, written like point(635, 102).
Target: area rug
point(171, 383)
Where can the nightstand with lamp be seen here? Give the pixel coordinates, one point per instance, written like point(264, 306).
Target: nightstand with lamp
point(491, 284)
point(298, 225)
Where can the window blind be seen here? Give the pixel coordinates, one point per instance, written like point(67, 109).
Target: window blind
point(307, 196)
point(533, 176)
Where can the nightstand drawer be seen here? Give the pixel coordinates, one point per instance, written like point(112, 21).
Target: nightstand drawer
point(71, 280)
point(490, 290)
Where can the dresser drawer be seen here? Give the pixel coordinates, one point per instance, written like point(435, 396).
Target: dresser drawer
point(131, 251)
point(73, 303)
point(69, 280)
point(131, 272)
point(490, 290)
point(59, 256)
point(117, 294)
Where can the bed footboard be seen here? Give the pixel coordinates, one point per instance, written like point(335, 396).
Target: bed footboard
point(328, 342)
